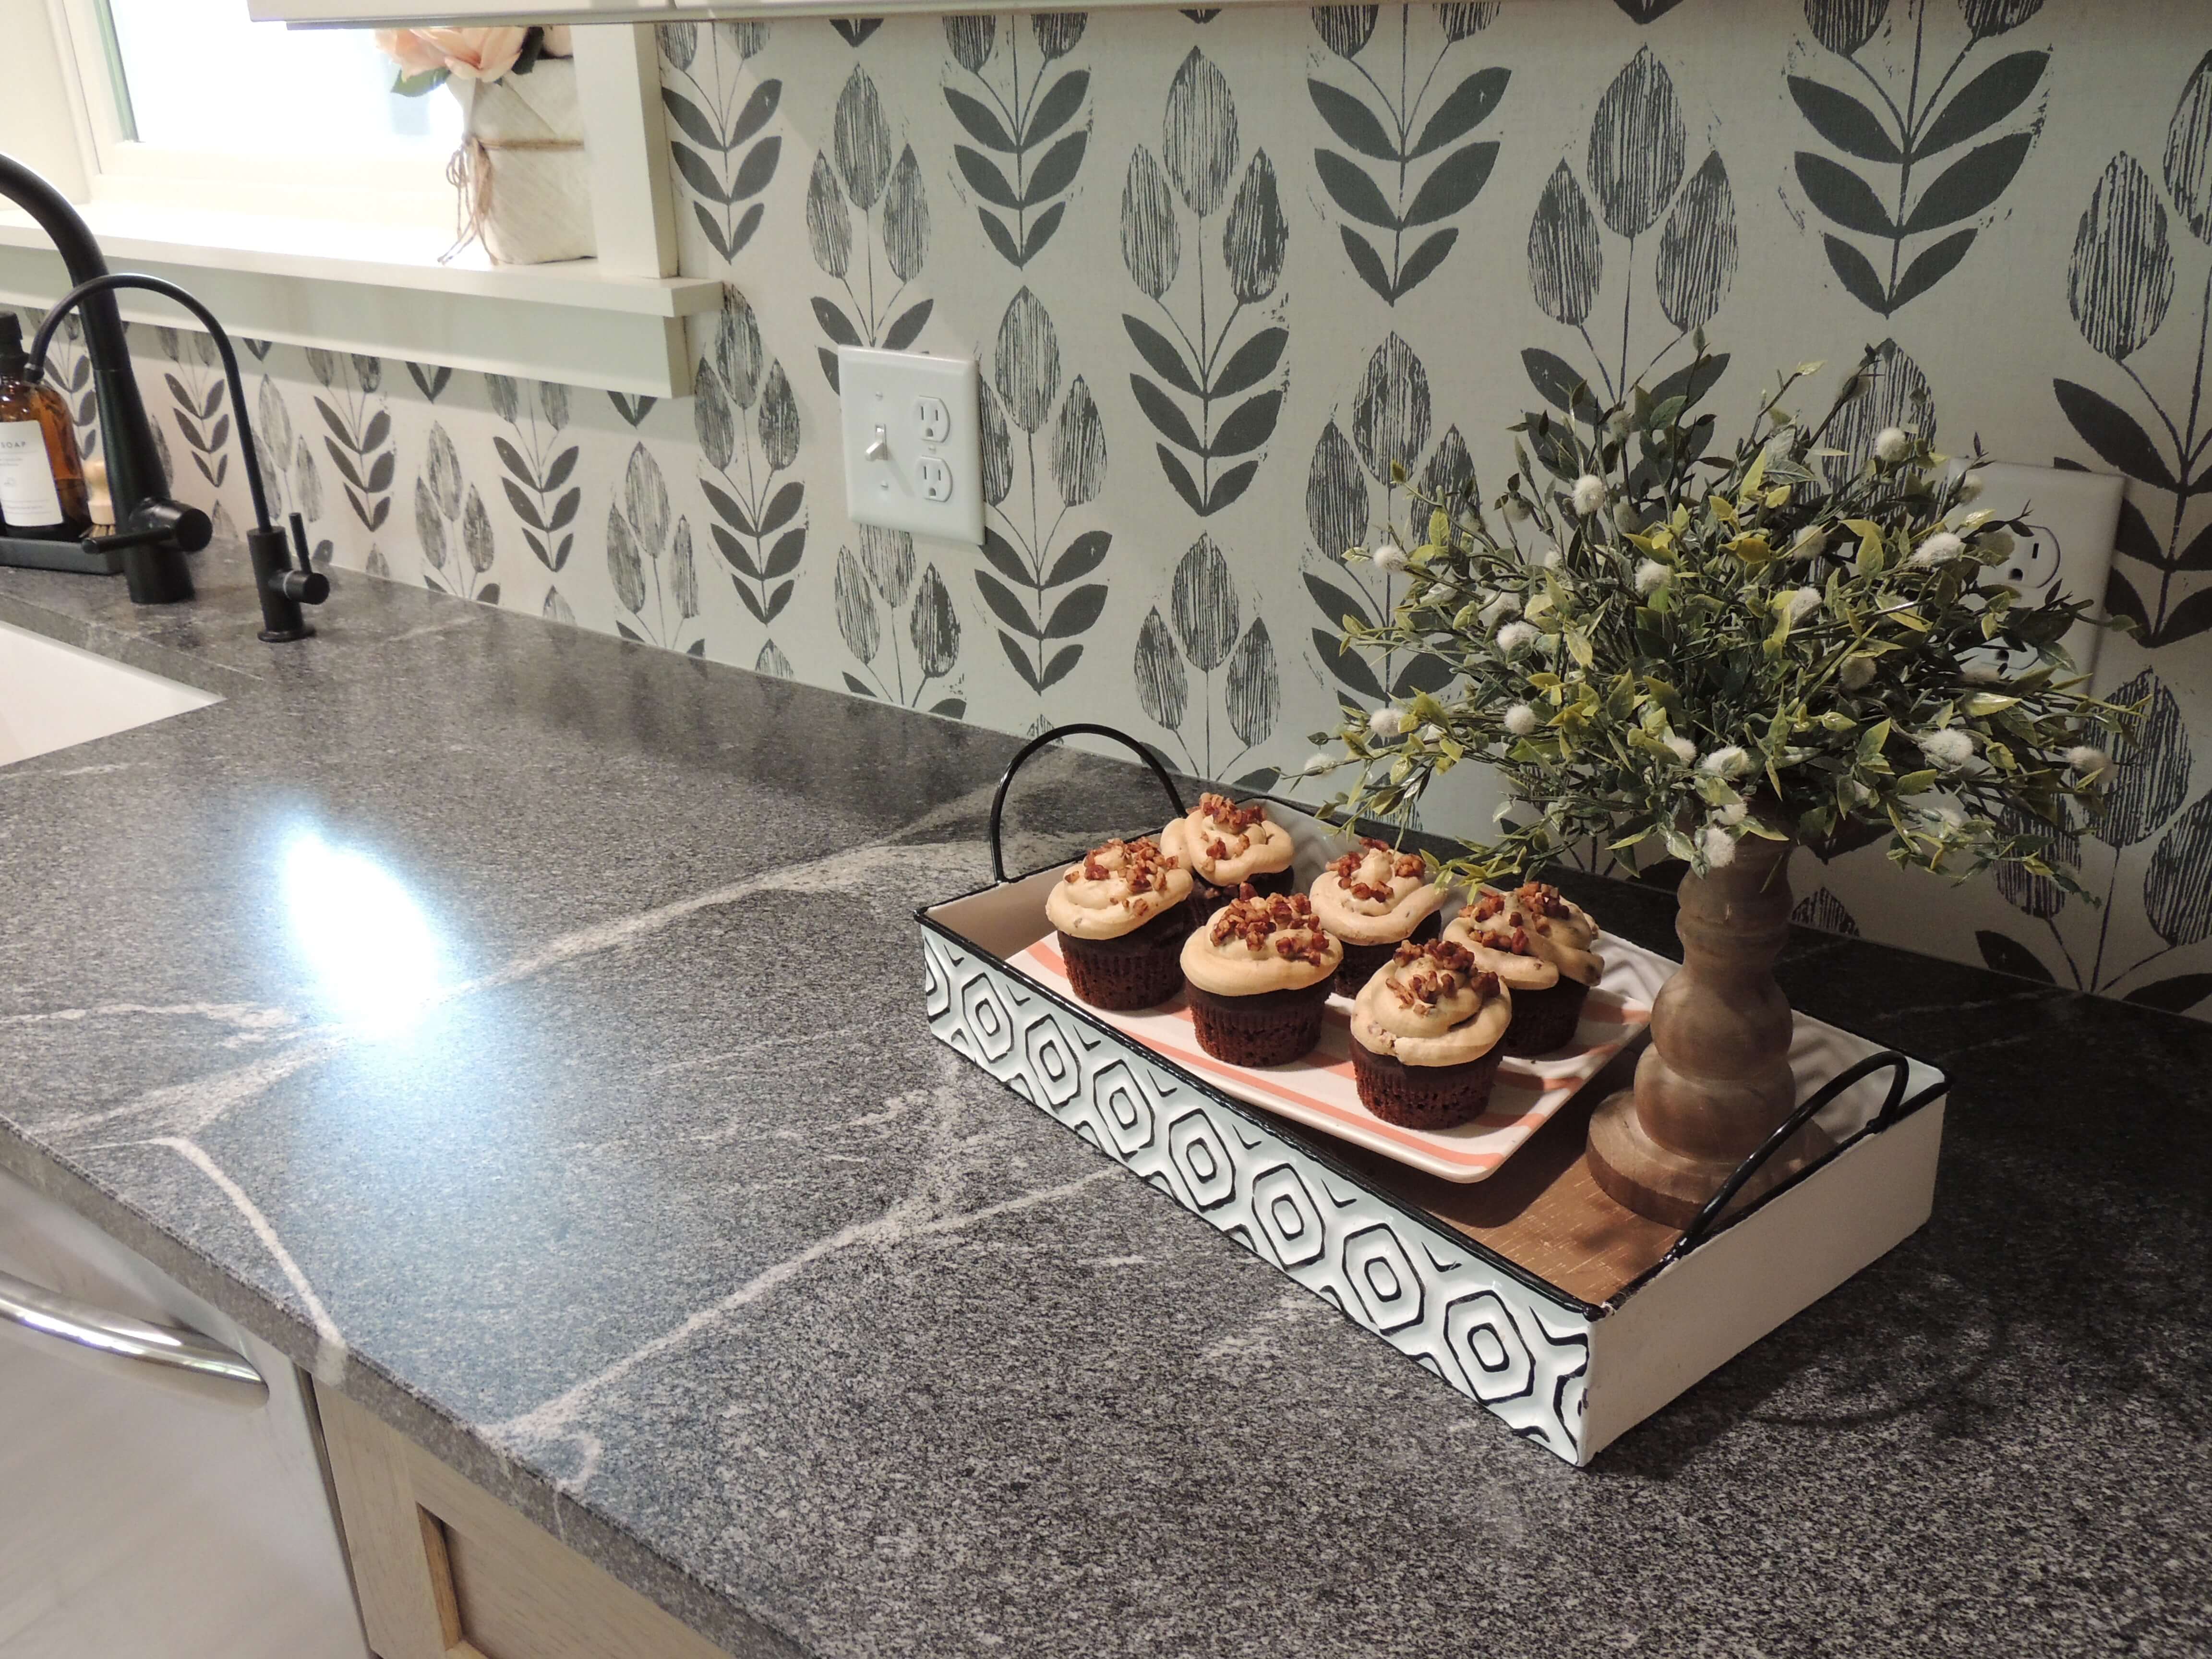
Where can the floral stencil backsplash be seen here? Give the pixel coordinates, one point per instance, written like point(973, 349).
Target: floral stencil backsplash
point(1223, 270)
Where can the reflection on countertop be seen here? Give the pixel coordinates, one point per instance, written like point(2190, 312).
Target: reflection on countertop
point(523, 1031)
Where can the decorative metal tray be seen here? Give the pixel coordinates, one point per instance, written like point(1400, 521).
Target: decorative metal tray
point(1528, 1289)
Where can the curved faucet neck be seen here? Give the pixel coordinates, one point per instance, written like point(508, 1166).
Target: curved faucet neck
point(135, 475)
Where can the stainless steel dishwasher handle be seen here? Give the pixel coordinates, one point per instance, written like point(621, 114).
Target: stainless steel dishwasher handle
point(130, 1346)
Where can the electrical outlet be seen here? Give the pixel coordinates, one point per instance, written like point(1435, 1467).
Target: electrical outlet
point(912, 432)
point(2070, 519)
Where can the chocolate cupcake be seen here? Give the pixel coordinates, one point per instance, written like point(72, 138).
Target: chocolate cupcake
point(1539, 945)
point(1123, 914)
point(1425, 1031)
point(1259, 972)
point(1374, 900)
point(1224, 845)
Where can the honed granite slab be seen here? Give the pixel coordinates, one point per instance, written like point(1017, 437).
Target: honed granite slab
point(665, 1219)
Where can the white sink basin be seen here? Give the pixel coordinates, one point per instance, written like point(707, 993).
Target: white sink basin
point(53, 695)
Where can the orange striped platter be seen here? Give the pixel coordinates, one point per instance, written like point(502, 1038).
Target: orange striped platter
point(1319, 1092)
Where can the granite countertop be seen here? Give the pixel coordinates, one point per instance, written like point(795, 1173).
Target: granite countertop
point(666, 1220)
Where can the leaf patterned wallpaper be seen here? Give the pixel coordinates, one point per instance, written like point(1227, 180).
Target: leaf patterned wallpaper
point(1223, 270)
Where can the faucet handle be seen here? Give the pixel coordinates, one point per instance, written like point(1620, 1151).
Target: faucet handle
point(283, 589)
point(159, 523)
point(304, 586)
point(307, 584)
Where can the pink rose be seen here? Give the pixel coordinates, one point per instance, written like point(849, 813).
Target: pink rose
point(466, 54)
point(408, 49)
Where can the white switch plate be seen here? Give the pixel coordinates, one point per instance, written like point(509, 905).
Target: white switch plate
point(928, 477)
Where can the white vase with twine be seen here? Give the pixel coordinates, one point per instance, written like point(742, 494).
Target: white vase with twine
point(521, 171)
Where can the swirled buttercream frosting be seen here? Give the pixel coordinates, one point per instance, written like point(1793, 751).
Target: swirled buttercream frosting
point(1375, 895)
point(1225, 844)
point(1252, 945)
point(1530, 938)
point(1115, 890)
point(1429, 1005)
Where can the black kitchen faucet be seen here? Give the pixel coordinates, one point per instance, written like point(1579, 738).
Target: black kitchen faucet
point(153, 532)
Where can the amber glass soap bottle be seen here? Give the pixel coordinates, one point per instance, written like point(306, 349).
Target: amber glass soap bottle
point(42, 492)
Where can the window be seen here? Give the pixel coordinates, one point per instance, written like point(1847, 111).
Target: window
point(192, 103)
point(325, 90)
point(273, 173)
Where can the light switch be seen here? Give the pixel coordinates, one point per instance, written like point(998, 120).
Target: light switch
point(912, 441)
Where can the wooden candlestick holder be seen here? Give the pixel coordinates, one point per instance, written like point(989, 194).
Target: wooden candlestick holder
point(1715, 1081)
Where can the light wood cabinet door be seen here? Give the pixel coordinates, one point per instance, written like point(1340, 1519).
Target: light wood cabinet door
point(445, 1570)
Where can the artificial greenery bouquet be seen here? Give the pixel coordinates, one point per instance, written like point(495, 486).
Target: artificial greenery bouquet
point(1660, 648)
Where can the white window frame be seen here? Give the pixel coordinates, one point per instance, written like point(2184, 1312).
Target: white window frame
point(366, 189)
point(374, 283)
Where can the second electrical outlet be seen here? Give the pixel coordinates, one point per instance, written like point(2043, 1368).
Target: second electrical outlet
point(912, 442)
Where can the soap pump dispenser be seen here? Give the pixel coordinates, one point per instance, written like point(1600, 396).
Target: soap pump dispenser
point(42, 491)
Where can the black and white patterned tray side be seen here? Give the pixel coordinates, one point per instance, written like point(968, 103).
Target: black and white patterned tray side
point(1522, 1355)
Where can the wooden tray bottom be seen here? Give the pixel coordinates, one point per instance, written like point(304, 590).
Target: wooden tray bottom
point(1542, 1209)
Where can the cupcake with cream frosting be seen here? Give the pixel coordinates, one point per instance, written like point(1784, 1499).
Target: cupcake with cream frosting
point(1426, 1032)
point(1224, 845)
point(1374, 900)
point(1258, 973)
point(1538, 943)
point(1122, 913)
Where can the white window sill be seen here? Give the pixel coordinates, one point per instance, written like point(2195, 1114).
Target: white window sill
point(381, 292)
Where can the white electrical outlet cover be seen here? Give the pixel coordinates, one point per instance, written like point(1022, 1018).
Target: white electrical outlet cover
point(2072, 518)
point(892, 476)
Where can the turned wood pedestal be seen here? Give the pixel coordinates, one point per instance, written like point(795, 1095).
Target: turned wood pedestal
point(1715, 1080)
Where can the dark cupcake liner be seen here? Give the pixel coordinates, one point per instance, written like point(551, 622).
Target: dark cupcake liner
point(1423, 1096)
point(1272, 1028)
point(1545, 1020)
point(1362, 962)
point(1140, 969)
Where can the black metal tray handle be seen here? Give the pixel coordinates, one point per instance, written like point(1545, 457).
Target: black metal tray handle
point(1080, 728)
point(1706, 1219)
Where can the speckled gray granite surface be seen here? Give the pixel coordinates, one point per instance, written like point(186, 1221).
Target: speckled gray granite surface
point(667, 1220)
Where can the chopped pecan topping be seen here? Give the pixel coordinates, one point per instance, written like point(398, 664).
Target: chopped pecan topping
point(1538, 898)
point(1512, 941)
point(1283, 923)
point(1142, 866)
point(1225, 814)
point(1439, 969)
point(1488, 904)
point(1348, 869)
